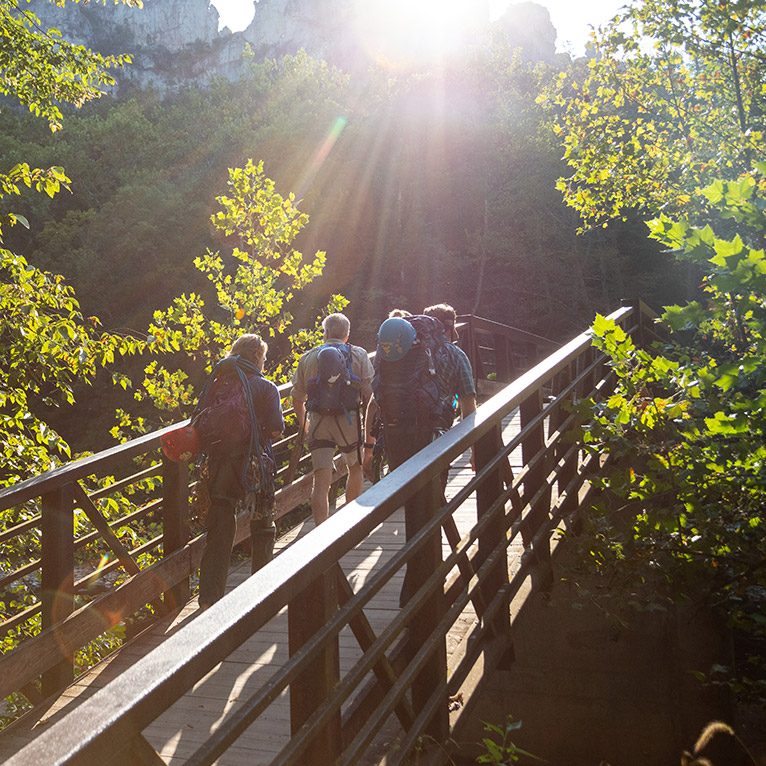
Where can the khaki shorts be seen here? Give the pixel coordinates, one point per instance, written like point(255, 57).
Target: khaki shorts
point(335, 429)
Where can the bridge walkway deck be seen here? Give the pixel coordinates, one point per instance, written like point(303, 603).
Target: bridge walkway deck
point(185, 725)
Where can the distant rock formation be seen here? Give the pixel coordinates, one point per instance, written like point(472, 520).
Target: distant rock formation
point(177, 42)
point(528, 26)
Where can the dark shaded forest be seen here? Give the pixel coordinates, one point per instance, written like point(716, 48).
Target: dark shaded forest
point(436, 186)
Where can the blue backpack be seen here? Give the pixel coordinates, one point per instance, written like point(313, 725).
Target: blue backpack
point(335, 389)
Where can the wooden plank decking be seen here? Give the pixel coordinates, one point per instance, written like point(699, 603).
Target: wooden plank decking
point(185, 725)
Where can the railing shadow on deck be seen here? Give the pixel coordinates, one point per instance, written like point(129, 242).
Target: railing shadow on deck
point(403, 670)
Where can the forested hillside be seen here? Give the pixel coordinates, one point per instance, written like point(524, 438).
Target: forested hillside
point(427, 185)
point(417, 187)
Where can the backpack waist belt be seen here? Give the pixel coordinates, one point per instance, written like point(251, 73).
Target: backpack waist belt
point(319, 443)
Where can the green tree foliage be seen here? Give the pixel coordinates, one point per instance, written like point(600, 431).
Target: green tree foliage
point(423, 188)
point(47, 345)
point(143, 171)
point(673, 102)
point(673, 98)
point(255, 285)
point(521, 240)
point(441, 179)
point(687, 428)
point(40, 70)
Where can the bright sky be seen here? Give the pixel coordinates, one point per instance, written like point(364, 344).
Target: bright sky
point(570, 18)
point(573, 20)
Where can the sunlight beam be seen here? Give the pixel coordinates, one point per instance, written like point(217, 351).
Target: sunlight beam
point(401, 32)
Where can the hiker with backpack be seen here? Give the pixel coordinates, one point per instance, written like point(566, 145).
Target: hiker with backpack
point(331, 386)
point(418, 373)
point(237, 416)
point(373, 466)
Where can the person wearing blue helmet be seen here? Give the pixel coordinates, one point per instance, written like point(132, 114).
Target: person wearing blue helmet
point(401, 385)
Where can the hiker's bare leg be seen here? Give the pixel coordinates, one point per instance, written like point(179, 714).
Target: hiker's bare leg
point(320, 505)
point(354, 482)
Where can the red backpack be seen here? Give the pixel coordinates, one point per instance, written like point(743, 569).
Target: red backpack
point(226, 421)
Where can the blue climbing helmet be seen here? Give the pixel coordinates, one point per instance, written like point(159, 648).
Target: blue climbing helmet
point(395, 338)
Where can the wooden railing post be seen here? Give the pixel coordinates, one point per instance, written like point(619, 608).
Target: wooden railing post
point(57, 578)
point(585, 386)
point(536, 491)
point(486, 494)
point(423, 625)
point(558, 417)
point(503, 369)
point(306, 614)
point(469, 342)
point(639, 319)
point(175, 525)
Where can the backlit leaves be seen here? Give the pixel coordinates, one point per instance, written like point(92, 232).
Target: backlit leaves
point(674, 97)
point(42, 70)
point(254, 284)
point(47, 346)
point(687, 425)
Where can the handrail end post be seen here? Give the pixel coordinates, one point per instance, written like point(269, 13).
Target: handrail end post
point(175, 525)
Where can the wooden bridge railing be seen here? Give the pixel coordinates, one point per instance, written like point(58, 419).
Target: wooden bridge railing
point(66, 521)
point(334, 716)
point(61, 516)
point(499, 353)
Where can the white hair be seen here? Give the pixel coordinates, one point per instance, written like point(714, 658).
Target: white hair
point(336, 326)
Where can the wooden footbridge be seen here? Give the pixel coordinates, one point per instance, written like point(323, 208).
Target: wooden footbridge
point(310, 660)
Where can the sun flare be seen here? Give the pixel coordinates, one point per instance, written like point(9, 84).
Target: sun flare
point(401, 31)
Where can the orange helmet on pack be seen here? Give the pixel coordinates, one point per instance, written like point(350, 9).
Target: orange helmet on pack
point(181, 445)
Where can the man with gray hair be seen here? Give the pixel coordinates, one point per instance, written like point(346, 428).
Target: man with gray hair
point(338, 425)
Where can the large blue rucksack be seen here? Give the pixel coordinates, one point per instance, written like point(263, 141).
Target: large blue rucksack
point(226, 420)
point(334, 390)
point(407, 389)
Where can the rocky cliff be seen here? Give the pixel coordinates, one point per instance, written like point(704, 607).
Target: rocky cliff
point(177, 42)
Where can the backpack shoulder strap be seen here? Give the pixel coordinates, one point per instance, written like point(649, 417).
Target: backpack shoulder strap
point(347, 351)
point(245, 368)
point(202, 399)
